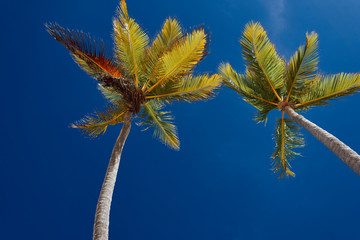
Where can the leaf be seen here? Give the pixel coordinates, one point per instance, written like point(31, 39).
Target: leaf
point(183, 57)
point(162, 122)
point(302, 68)
point(329, 87)
point(170, 34)
point(110, 94)
point(97, 123)
point(287, 137)
point(262, 113)
point(189, 89)
point(130, 43)
point(261, 58)
point(246, 87)
point(88, 53)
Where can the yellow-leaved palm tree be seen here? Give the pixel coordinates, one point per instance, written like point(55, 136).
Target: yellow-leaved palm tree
point(270, 83)
point(139, 79)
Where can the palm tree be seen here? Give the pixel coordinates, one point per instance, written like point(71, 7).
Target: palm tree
point(140, 79)
point(270, 83)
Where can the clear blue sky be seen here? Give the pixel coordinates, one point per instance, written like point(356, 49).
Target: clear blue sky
point(219, 185)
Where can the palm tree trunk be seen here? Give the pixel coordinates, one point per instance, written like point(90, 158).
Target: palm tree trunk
point(345, 153)
point(102, 214)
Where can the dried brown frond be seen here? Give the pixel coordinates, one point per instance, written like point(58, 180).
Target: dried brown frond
point(89, 53)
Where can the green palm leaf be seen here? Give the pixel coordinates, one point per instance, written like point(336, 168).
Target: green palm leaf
point(97, 123)
point(329, 87)
point(130, 43)
point(162, 122)
point(110, 94)
point(261, 58)
point(287, 137)
point(249, 90)
point(190, 88)
point(263, 110)
point(302, 68)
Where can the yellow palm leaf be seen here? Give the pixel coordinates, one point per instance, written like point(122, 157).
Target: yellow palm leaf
point(130, 43)
point(152, 117)
point(181, 60)
point(97, 123)
point(262, 59)
point(170, 33)
point(302, 68)
point(329, 87)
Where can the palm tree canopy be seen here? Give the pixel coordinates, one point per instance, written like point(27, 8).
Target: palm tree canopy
point(270, 83)
point(141, 76)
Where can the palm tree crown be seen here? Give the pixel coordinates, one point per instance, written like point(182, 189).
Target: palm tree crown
point(141, 76)
point(270, 83)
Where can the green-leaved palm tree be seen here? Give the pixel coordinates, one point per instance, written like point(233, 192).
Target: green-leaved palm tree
point(270, 83)
point(139, 79)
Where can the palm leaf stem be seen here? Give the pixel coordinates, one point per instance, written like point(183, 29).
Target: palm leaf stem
point(160, 81)
point(102, 214)
point(176, 93)
point(259, 98)
point(282, 138)
point(151, 88)
point(152, 75)
point(340, 149)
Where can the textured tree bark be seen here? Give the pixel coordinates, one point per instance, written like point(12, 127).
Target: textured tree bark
point(345, 153)
point(102, 214)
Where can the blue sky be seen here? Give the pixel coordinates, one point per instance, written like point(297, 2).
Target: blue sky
point(219, 185)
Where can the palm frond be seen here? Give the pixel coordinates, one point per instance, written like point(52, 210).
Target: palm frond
point(88, 53)
point(130, 43)
point(245, 86)
point(302, 68)
point(110, 94)
point(287, 137)
point(189, 89)
point(261, 58)
point(97, 123)
point(262, 112)
point(329, 87)
point(183, 57)
point(162, 122)
point(170, 33)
